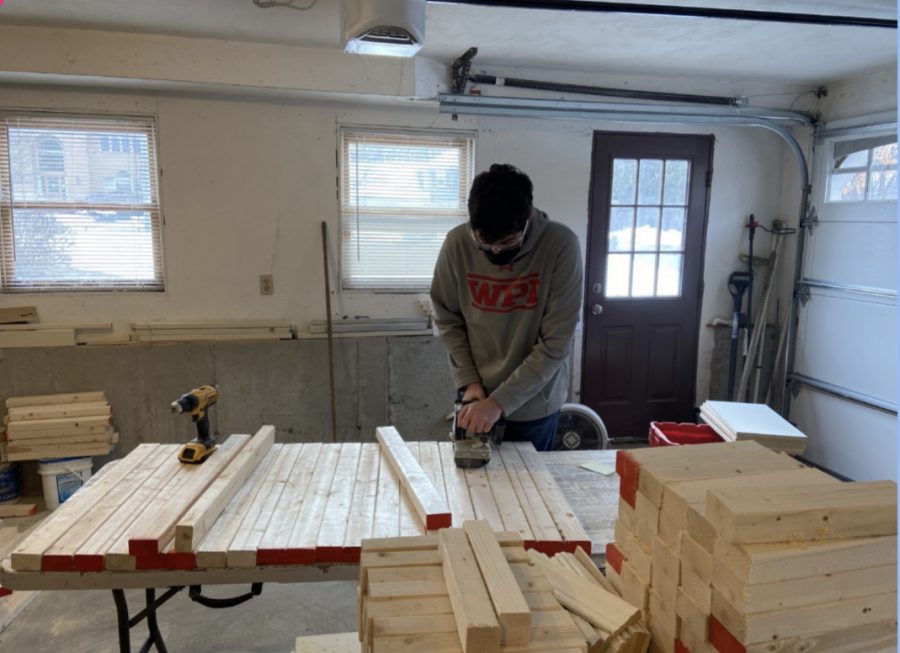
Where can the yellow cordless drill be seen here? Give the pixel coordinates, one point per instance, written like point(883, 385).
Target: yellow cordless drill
point(197, 402)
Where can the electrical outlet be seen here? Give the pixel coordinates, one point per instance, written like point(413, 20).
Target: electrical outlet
point(266, 284)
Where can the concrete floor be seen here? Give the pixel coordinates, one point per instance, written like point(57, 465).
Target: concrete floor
point(85, 621)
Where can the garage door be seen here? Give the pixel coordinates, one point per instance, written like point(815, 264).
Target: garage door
point(845, 371)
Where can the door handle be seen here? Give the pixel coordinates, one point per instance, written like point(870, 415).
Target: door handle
point(596, 309)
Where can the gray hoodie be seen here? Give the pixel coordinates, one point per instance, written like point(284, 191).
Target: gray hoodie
point(511, 326)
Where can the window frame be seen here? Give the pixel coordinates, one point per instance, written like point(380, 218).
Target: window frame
point(148, 123)
point(382, 130)
point(830, 172)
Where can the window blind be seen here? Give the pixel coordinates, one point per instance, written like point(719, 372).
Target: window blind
point(400, 193)
point(79, 204)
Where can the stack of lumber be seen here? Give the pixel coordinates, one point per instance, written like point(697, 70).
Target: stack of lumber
point(211, 331)
point(731, 547)
point(20, 327)
point(739, 421)
point(294, 504)
point(58, 426)
point(472, 590)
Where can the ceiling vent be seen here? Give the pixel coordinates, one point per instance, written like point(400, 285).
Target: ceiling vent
point(392, 28)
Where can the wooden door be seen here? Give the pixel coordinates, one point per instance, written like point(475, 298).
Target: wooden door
point(644, 277)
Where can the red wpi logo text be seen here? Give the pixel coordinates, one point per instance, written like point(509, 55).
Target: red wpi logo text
point(498, 295)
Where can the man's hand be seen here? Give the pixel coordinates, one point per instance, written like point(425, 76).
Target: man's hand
point(480, 417)
point(474, 392)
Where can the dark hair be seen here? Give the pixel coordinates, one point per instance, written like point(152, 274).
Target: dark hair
point(500, 202)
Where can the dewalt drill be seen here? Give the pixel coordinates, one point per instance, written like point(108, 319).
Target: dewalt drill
point(197, 402)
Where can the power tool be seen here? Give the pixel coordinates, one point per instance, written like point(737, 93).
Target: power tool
point(472, 450)
point(197, 402)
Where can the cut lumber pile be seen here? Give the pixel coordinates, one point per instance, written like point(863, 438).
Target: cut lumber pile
point(472, 590)
point(731, 547)
point(58, 426)
point(744, 421)
point(211, 331)
point(257, 503)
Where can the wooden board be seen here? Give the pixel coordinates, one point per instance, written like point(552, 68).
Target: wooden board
point(17, 509)
point(509, 605)
point(330, 539)
point(18, 314)
point(789, 513)
point(457, 488)
point(76, 409)
point(365, 493)
point(46, 338)
point(195, 524)
point(478, 628)
point(431, 508)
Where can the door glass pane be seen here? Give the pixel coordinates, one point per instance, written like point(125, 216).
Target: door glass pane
point(883, 185)
point(650, 182)
point(675, 191)
point(647, 229)
point(618, 275)
point(644, 275)
point(672, 235)
point(624, 181)
point(621, 228)
point(847, 187)
point(668, 281)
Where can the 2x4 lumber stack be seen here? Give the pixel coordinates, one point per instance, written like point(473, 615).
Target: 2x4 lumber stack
point(28, 554)
point(159, 519)
point(58, 426)
point(479, 630)
point(510, 606)
point(195, 524)
point(428, 504)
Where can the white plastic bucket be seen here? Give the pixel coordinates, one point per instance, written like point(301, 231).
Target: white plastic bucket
point(62, 477)
point(10, 483)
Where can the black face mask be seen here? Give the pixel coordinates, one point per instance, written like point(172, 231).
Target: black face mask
point(502, 258)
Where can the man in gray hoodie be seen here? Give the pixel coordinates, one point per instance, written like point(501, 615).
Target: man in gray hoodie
point(507, 297)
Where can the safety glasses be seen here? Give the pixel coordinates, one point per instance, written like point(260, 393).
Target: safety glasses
point(510, 242)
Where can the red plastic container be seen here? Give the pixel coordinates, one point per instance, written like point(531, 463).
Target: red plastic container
point(668, 434)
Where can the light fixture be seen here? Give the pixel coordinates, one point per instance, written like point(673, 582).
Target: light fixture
point(392, 28)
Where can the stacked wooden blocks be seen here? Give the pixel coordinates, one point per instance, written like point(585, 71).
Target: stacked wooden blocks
point(688, 550)
point(474, 591)
point(58, 426)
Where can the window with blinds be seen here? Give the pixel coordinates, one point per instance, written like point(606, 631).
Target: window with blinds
point(79, 204)
point(400, 192)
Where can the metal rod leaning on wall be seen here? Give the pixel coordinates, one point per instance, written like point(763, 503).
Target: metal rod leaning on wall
point(330, 332)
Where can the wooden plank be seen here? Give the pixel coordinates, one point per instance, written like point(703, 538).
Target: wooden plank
point(305, 533)
point(212, 551)
point(61, 555)
point(587, 599)
point(159, 520)
point(430, 460)
point(242, 552)
point(507, 500)
point(693, 617)
point(29, 437)
point(88, 438)
point(770, 563)
point(341, 643)
point(432, 510)
point(509, 605)
point(585, 560)
point(543, 527)
point(569, 527)
point(62, 423)
point(35, 453)
point(387, 502)
point(799, 592)
point(808, 620)
point(78, 409)
point(868, 638)
point(456, 486)
point(167, 478)
point(483, 501)
point(48, 338)
point(197, 521)
point(479, 631)
point(18, 314)
point(411, 524)
point(330, 541)
point(60, 398)
point(790, 513)
point(273, 547)
point(27, 556)
point(666, 574)
point(365, 491)
point(17, 509)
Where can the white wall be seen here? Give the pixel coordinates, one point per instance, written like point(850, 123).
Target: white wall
point(245, 184)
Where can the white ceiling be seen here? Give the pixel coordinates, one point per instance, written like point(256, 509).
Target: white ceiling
point(580, 41)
